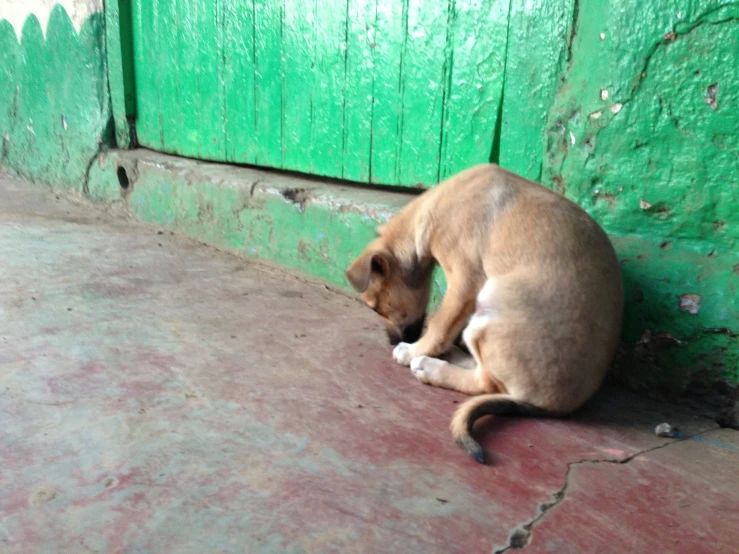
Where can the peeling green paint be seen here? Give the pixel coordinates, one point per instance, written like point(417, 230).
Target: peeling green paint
point(54, 107)
point(687, 346)
point(642, 132)
point(642, 128)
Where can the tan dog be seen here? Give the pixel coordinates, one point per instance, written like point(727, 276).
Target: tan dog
point(531, 276)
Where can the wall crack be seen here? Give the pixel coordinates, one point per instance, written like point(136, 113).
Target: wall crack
point(573, 31)
point(86, 180)
point(4, 141)
point(725, 13)
point(498, 130)
point(680, 29)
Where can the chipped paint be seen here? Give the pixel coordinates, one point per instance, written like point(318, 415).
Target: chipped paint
point(690, 303)
point(657, 164)
point(281, 218)
point(712, 96)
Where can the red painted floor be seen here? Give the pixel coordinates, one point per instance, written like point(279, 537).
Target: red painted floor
point(159, 396)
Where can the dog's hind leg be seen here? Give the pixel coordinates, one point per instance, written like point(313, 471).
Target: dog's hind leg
point(438, 373)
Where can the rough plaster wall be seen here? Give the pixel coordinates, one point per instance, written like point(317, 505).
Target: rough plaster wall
point(642, 132)
point(644, 129)
point(630, 108)
point(54, 99)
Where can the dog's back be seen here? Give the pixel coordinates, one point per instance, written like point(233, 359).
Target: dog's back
point(553, 288)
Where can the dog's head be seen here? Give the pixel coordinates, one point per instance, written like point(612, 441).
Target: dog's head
point(395, 285)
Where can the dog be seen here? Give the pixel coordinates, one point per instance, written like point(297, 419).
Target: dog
point(534, 288)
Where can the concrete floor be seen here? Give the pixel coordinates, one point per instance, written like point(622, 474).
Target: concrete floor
point(159, 396)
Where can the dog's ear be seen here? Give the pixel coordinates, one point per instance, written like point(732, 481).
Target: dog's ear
point(379, 230)
point(377, 262)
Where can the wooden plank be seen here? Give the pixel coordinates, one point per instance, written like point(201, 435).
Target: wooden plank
point(537, 58)
point(119, 57)
point(183, 96)
point(328, 86)
point(385, 114)
point(175, 67)
point(298, 59)
point(209, 116)
point(395, 93)
point(426, 61)
point(268, 82)
point(238, 81)
point(475, 83)
point(145, 46)
point(358, 93)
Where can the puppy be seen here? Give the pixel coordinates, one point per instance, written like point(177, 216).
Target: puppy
point(534, 286)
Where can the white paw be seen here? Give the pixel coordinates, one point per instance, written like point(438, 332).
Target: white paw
point(423, 368)
point(403, 353)
point(417, 367)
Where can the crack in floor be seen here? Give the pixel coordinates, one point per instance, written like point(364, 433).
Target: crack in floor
point(520, 536)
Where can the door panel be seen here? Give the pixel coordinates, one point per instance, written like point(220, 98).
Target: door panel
point(395, 92)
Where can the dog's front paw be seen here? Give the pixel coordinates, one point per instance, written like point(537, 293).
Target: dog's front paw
point(417, 368)
point(403, 353)
point(424, 368)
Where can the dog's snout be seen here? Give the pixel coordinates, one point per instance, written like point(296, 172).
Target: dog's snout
point(393, 335)
point(413, 331)
point(410, 333)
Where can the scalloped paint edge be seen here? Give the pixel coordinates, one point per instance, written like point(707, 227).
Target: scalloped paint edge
point(17, 11)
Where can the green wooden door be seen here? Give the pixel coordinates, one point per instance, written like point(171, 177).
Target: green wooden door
point(395, 92)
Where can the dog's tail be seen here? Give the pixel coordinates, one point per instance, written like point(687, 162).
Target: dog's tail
point(486, 404)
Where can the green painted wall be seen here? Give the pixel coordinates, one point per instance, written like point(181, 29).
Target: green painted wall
point(54, 103)
point(630, 108)
point(396, 92)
